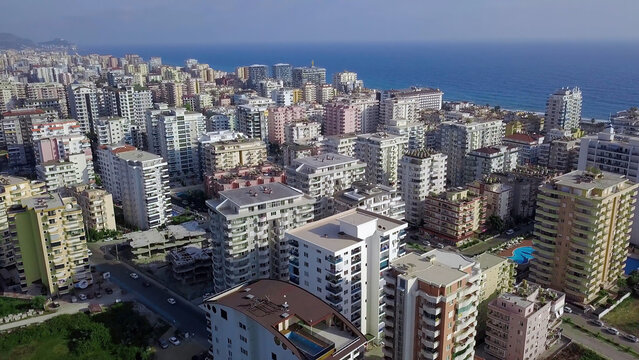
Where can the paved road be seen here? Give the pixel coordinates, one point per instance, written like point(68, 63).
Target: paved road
point(183, 315)
point(584, 321)
point(595, 344)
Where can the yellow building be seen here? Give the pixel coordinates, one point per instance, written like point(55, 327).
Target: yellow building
point(582, 231)
point(96, 204)
point(298, 96)
point(497, 277)
point(514, 127)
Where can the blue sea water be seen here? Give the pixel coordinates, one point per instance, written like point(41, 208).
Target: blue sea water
point(522, 254)
point(632, 264)
point(514, 76)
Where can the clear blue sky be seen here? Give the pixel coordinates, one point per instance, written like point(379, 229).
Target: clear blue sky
point(292, 21)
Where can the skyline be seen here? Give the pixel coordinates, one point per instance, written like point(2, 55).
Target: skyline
point(357, 21)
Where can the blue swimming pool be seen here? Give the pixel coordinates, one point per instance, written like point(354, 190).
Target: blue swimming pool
point(632, 264)
point(522, 255)
point(304, 344)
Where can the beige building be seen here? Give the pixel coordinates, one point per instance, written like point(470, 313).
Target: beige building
point(431, 306)
point(582, 232)
point(382, 152)
point(340, 144)
point(523, 324)
point(421, 173)
point(498, 197)
point(455, 216)
point(229, 154)
point(497, 277)
point(96, 204)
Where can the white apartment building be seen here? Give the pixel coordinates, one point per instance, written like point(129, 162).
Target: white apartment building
point(563, 109)
point(340, 144)
point(381, 152)
point(421, 173)
point(84, 104)
point(487, 160)
point(252, 120)
point(74, 169)
point(346, 81)
point(302, 131)
point(221, 118)
point(398, 108)
point(112, 130)
point(96, 205)
point(415, 131)
point(458, 138)
point(431, 306)
point(271, 319)
point(282, 97)
point(379, 199)
point(321, 176)
point(247, 228)
point(340, 259)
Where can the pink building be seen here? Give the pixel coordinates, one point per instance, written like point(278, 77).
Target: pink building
point(243, 177)
point(340, 119)
point(522, 325)
point(280, 116)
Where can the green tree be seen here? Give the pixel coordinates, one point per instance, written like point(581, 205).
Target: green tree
point(495, 223)
point(38, 302)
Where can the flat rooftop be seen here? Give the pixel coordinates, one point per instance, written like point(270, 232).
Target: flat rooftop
point(326, 233)
point(325, 160)
point(586, 181)
point(47, 201)
point(145, 238)
point(185, 230)
point(436, 267)
point(138, 155)
point(488, 260)
point(260, 194)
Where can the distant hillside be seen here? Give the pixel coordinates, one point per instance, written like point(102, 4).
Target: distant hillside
point(58, 42)
point(10, 41)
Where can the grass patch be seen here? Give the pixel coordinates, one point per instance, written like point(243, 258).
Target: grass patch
point(601, 337)
point(625, 316)
point(118, 333)
point(15, 306)
point(577, 352)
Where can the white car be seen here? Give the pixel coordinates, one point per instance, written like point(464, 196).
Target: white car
point(631, 338)
point(612, 331)
point(175, 341)
point(171, 301)
point(82, 297)
point(510, 232)
point(567, 310)
point(117, 301)
point(134, 276)
point(598, 323)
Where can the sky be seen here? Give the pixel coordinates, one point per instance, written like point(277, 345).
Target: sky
point(153, 22)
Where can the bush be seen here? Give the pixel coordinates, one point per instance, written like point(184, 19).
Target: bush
point(38, 302)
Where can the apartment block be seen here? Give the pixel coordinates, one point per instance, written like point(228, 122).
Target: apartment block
point(49, 91)
point(497, 277)
point(340, 144)
point(529, 146)
point(523, 324)
point(243, 176)
point(582, 232)
point(112, 130)
point(498, 197)
point(226, 153)
point(313, 75)
point(525, 182)
point(302, 132)
point(16, 135)
point(431, 306)
point(560, 154)
point(278, 118)
point(379, 199)
point(271, 319)
point(382, 153)
point(488, 160)
point(341, 118)
point(84, 104)
point(563, 109)
point(415, 131)
point(252, 120)
point(247, 227)
point(454, 216)
point(191, 264)
point(340, 259)
point(51, 243)
point(322, 176)
point(96, 205)
point(421, 173)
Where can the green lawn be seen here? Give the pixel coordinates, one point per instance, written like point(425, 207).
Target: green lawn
point(13, 306)
point(625, 316)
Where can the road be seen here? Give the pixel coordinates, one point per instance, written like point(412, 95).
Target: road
point(182, 315)
point(585, 322)
point(595, 344)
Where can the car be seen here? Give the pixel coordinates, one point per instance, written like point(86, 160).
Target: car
point(567, 310)
point(510, 232)
point(598, 323)
point(612, 331)
point(427, 243)
point(90, 253)
point(441, 246)
point(117, 301)
point(109, 291)
point(74, 299)
point(82, 297)
point(175, 341)
point(163, 344)
point(631, 338)
point(146, 284)
point(134, 276)
point(171, 301)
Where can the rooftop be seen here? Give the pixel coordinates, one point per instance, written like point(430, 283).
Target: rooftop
point(325, 160)
point(137, 155)
point(585, 180)
point(436, 267)
point(186, 230)
point(488, 260)
point(50, 201)
point(260, 194)
point(525, 138)
point(145, 238)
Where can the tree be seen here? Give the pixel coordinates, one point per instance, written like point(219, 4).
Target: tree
point(495, 223)
point(38, 302)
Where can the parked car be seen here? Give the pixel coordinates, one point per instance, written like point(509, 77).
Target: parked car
point(175, 341)
point(82, 297)
point(117, 301)
point(441, 246)
point(612, 331)
point(630, 338)
point(171, 301)
point(74, 299)
point(598, 323)
point(510, 232)
point(134, 276)
point(567, 310)
point(163, 344)
point(109, 291)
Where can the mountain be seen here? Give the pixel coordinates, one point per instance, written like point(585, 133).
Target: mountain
point(56, 43)
point(10, 41)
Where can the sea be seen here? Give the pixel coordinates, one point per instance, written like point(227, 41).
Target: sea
point(511, 75)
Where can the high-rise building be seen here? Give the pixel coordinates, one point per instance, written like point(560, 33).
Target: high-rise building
point(283, 72)
point(488, 160)
point(278, 117)
point(252, 120)
point(382, 152)
point(352, 248)
point(84, 104)
point(431, 306)
point(427, 98)
point(172, 93)
point(340, 118)
point(498, 196)
point(421, 173)
point(227, 150)
point(49, 91)
point(112, 130)
point(16, 135)
point(563, 109)
point(247, 228)
point(415, 131)
point(51, 243)
point(271, 319)
point(367, 109)
point(322, 176)
point(524, 324)
point(454, 216)
point(577, 249)
point(460, 138)
point(379, 199)
point(302, 132)
point(96, 205)
point(283, 97)
point(398, 108)
point(346, 81)
point(340, 144)
point(498, 277)
point(139, 181)
point(257, 73)
point(529, 146)
point(313, 75)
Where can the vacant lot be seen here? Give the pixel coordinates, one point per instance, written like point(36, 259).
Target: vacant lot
point(577, 352)
point(625, 317)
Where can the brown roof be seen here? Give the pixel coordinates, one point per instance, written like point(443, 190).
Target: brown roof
point(529, 138)
point(20, 112)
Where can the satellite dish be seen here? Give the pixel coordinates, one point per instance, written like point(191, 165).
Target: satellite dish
point(82, 284)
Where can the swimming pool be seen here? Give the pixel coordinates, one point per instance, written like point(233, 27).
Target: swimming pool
point(522, 254)
point(304, 344)
point(632, 264)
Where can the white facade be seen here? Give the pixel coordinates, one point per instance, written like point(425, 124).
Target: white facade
point(301, 131)
point(381, 151)
point(112, 130)
point(340, 144)
point(563, 109)
point(340, 259)
point(84, 104)
point(421, 173)
point(282, 97)
point(493, 159)
point(252, 121)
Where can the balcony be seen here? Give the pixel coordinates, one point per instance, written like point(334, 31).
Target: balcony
point(334, 289)
point(334, 299)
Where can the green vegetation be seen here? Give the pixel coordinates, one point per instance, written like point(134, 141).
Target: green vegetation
point(99, 235)
point(194, 198)
point(601, 337)
point(575, 351)
point(625, 316)
point(15, 306)
point(119, 333)
point(176, 220)
point(495, 224)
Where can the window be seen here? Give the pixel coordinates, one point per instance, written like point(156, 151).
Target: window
point(229, 341)
point(242, 326)
point(243, 351)
point(243, 338)
point(273, 356)
point(223, 314)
